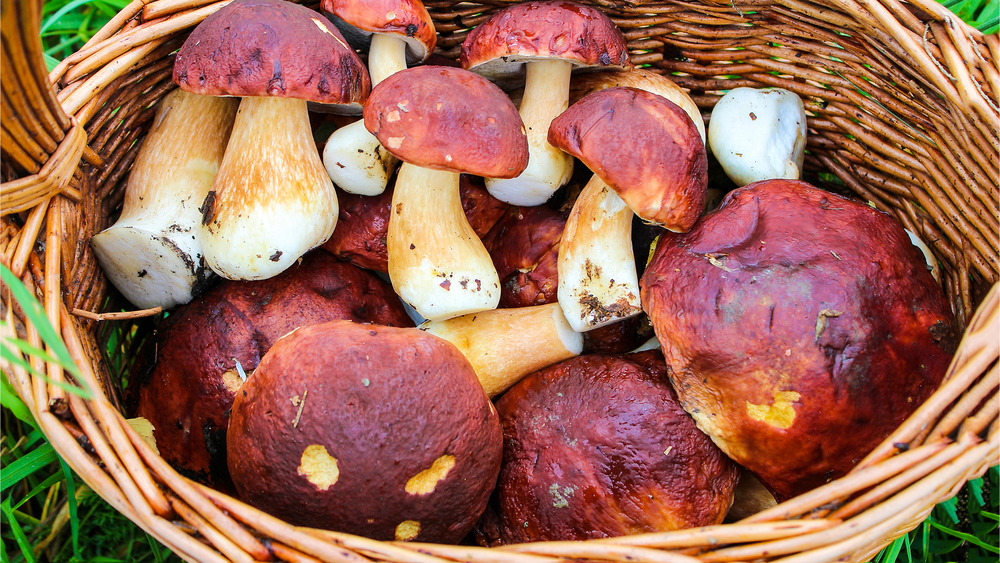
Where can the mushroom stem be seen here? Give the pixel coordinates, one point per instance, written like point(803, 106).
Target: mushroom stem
point(546, 95)
point(272, 200)
point(386, 56)
point(504, 345)
point(598, 284)
point(437, 263)
point(152, 253)
point(356, 161)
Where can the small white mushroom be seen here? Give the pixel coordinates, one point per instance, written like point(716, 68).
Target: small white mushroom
point(758, 134)
point(153, 254)
point(504, 345)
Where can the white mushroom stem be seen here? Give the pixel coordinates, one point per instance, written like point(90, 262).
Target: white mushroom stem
point(598, 284)
point(504, 345)
point(758, 134)
point(356, 161)
point(152, 254)
point(546, 95)
point(272, 200)
point(437, 263)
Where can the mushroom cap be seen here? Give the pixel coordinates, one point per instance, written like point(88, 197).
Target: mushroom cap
point(376, 431)
point(598, 446)
point(448, 118)
point(188, 395)
point(498, 47)
point(643, 146)
point(407, 19)
point(801, 328)
point(271, 48)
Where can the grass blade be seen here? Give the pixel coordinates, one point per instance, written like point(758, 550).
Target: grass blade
point(26, 465)
point(15, 528)
point(74, 518)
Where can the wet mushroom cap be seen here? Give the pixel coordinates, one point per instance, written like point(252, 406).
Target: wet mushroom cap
point(801, 328)
point(447, 118)
point(658, 163)
point(190, 390)
point(499, 46)
point(407, 19)
point(376, 431)
point(598, 446)
point(271, 48)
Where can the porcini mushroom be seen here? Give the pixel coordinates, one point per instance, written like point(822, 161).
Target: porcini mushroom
point(504, 345)
point(662, 179)
point(543, 40)
point(152, 254)
point(397, 32)
point(206, 348)
point(440, 122)
point(758, 134)
point(272, 199)
point(393, 440)
point(801, 328)
point(598, 446)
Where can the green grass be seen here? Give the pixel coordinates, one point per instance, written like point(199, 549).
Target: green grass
point(48, 514)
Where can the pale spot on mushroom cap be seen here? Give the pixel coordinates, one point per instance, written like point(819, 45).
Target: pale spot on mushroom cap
point(232, 380)
point(780, 414)
point(424, 482)
point(390, 15)
point(394, 142)
point(322, 26)
point(392, 116)
point(407, 530)
point(319, 467)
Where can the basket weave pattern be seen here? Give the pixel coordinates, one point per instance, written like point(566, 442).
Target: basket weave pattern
point(902, 103)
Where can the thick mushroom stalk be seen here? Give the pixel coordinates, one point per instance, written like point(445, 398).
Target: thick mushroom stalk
point(437, 263)
point(442, 122)
point(759, 134)
point(504, 345)
point(355, 160)
point(546, 95)
point(152, 253)
point(272, 200)
point(598, 284)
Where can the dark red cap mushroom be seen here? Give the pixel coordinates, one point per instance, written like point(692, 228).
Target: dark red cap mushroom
point(801, 328)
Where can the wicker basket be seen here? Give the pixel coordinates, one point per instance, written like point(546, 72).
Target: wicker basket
point(902, 98)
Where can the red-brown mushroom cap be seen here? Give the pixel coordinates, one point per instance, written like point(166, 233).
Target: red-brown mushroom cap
point(407, 19)
point(448, 118)
point(642, 145)
point(271, 48)
point(499, 47)
point(188, 395)
point(801, 328)
point(598, 446)
point(377, 431)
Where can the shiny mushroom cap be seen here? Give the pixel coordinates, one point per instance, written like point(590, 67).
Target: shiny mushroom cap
point(407, 19)
point(642, 145)
point(498, 47)
point(447, 118)
point(271, 48)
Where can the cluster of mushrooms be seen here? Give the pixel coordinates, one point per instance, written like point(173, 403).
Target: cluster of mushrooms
point(436, 325)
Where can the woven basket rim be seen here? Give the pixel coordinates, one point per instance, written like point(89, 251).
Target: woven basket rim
point(954, 437)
